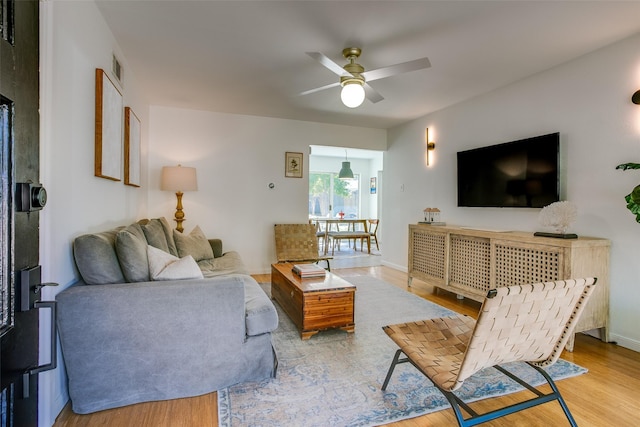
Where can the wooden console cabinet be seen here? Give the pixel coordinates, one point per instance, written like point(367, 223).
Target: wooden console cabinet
point(469, 262)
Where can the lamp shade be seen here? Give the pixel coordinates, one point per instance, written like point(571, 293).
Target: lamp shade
point(346, 171)
point(178, 178)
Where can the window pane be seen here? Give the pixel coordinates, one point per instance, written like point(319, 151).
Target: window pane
point(329, 195)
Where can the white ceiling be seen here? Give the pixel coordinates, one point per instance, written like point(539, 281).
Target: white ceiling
point(248, 57)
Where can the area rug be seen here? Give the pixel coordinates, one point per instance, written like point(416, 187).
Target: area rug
point(334, 378)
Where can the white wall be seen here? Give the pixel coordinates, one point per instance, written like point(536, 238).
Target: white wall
point(236, 158)
point(74, 42)
point(588, 102)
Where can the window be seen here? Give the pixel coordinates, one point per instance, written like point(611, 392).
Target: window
point(6, 222)
point(6, 20)
point(329, 195)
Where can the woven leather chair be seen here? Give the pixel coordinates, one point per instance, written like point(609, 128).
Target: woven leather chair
point(528, 323)
point(298, 243)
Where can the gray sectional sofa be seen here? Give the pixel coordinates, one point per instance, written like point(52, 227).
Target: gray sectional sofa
point(160, 315)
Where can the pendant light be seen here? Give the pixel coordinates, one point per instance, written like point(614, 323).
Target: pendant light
point(345, 172)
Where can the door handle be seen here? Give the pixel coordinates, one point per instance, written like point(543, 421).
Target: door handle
point(29, 279)
point(54, 338)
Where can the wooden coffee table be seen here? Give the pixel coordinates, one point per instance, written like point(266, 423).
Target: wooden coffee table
point(315, 303)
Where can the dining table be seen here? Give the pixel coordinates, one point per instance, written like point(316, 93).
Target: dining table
point(352, 228)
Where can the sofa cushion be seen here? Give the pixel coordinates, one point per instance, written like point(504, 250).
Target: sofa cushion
point(194, 244)
point(131, 247)
point(168, 232)
point(96, 258)
point(154, 234)
point(164, 266)
point(229, 263)
point(261, 315)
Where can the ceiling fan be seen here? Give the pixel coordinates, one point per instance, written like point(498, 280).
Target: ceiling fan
point(354, 79)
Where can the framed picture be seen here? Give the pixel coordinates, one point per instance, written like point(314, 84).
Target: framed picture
point(372, 185)
point(131, 148)
point(293, 165)
point(108, 143)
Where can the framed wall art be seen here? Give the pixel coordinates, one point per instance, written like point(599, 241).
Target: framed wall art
point(372, 185)
point(293, 165)
point(131, 148)
point(108, 138)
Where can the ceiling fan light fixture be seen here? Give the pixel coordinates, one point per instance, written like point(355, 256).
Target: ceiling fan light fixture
point(352, 94)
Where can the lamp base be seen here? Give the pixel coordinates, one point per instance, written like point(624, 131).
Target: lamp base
point(179, 219)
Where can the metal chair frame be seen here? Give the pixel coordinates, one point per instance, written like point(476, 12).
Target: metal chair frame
point(475, 418)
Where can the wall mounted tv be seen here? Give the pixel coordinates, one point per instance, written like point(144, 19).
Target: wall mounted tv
point(518, 174)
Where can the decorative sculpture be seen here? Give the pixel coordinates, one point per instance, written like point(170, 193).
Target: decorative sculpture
point(559, 216)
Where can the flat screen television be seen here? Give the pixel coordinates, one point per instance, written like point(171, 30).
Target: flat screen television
point(518, 174)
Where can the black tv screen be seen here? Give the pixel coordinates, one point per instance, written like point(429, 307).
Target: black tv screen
point(520, 174)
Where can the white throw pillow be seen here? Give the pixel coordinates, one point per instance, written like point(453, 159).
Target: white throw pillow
point(164, 266)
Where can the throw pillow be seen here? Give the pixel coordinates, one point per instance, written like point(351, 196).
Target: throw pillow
point(96, 258)
point(194, 244)
point(164, 266)
point(131, 247)
point(154, 233)
point(168, 232)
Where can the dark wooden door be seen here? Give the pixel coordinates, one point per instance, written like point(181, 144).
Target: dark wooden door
point(19, 231)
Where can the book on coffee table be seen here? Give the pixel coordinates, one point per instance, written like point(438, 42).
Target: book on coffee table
point(309, 270)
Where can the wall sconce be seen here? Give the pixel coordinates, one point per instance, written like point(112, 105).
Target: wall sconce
point(430, 145)
point(178, 179)
point(636, 98)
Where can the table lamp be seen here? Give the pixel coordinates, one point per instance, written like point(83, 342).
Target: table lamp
point(178, 179)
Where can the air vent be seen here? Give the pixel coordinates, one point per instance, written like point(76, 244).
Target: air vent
point(118, 72)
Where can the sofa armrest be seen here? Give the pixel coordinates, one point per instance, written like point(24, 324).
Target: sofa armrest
point(216, 245)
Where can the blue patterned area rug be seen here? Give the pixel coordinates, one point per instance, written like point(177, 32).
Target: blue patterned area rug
point(334, 378)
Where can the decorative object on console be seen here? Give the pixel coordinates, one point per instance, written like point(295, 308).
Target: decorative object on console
point(432, 217)
point(178, 179)
point(633, 198)
point(293, 165)
point(345, 172)
point(108, 131)
point(559, 216)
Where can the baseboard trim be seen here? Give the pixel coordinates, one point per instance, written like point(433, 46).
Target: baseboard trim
point(395, 266)
point(625, 342)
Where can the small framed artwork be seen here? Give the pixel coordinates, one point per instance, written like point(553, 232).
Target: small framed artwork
point(131, 148)
point(108, 132)
point(372, 185)
point(293, 165)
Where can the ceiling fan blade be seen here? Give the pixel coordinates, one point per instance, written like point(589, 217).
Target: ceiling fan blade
point(371, 94)
point(324, 60)
point(391, 70)
point(318, 89)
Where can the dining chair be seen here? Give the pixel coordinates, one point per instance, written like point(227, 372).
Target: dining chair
point(373, 230)
point(526, 323)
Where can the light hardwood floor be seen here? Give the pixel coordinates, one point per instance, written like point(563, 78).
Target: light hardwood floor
point(608, 395)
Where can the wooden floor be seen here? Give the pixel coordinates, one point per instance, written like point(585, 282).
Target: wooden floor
point(608, 395)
